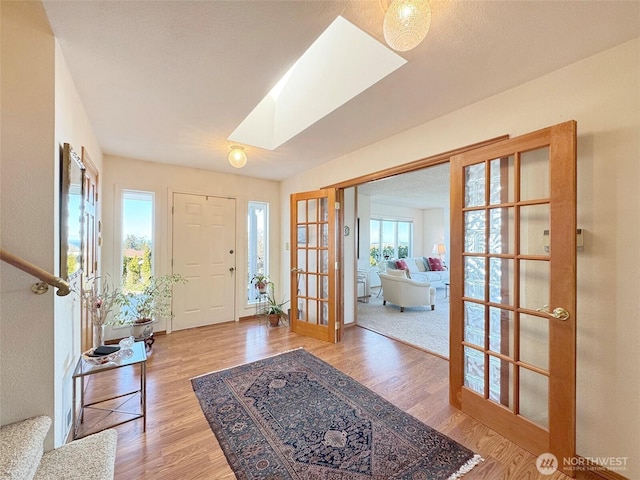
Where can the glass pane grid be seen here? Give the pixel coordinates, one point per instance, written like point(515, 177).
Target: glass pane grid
point(506, 270)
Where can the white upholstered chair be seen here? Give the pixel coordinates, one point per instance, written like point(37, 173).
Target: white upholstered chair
point(404, 292)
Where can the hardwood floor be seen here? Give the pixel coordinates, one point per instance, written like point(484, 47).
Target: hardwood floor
point(178, 443)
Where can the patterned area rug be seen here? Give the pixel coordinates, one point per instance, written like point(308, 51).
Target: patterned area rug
point(293, 416)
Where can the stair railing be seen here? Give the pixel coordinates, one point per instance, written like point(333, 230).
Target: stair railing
point(45, 277)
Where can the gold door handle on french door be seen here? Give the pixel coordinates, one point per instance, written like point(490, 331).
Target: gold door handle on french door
point(559, 312)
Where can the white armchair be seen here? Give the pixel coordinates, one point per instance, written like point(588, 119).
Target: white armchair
point(404, 292)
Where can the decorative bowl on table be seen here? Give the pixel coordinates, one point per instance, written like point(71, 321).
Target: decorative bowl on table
point(101, 355)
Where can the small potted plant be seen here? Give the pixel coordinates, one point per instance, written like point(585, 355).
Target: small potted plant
point(274, 310)
point(141, 309)
point(261, 282)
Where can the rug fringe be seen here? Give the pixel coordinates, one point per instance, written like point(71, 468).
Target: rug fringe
point(246, 363)
point(466, 468)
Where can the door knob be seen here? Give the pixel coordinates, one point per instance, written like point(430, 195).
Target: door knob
point(231, 269)
point(559, 312)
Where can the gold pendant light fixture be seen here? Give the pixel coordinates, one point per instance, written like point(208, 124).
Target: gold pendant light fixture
point(406, 23)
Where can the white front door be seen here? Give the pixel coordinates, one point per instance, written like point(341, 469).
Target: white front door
point(204, 253)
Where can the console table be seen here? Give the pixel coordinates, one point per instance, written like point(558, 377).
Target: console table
point(84, 369)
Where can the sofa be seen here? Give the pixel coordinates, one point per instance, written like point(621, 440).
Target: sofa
point(404, 292)
point(420, 270)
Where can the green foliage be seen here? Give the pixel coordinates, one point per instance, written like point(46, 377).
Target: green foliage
point(374, 256)
point(136, 268)
point(387, 252)
point(153, 301)
point(72, 263)
point(135, 243)
point(260, 280)
point(274, 307)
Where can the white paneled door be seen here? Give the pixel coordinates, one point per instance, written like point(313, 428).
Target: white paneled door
point(204, 253)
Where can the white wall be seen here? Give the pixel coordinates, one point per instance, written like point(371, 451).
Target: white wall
point(161, 179)
point(27, 176)
point(436, 230)
point(39, 334)
point(602, 94)
point(349, 255)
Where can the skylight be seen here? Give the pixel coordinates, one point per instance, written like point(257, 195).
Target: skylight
point(343, 62)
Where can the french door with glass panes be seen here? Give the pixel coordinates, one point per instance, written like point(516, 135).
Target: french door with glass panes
point(513, 288)
point(314, 270)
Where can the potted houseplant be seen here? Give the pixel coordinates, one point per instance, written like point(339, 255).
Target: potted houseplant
point(274, 310)
point(261, 282)
point(141, 308)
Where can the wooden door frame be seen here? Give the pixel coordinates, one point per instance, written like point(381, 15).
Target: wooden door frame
point(86, 326)
point(562, 440)
point(413, 166)
point(334, 332)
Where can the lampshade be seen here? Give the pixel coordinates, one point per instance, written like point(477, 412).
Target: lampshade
point(406, 23)
point(439, 249)
point(237, 156)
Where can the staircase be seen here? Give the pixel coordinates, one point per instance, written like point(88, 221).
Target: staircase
point(22, 457)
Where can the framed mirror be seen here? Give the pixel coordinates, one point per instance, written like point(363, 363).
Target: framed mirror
point(71, 213)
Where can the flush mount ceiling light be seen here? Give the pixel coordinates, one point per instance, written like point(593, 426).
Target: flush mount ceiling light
point(237, 156)
point(406, 23)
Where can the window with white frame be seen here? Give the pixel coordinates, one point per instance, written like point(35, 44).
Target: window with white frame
point(258, 236)
point(137, 240)
point(389, 239)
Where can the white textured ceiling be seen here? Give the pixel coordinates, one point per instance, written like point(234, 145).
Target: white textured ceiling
point(426, 188)
point(168, 81)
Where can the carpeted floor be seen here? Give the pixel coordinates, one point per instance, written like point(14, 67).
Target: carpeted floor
point(293, 416)
point(420, 326)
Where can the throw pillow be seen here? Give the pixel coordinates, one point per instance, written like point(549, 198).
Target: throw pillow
point(402, 265)
point(426, 264)
point(435, 264)
point(419, 262)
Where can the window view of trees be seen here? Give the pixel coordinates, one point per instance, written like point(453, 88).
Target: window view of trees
point(137, 235)
point(136, 263)
point(389, 239)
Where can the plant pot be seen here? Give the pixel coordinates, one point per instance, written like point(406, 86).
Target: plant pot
point(274, 320)
point(142, 329)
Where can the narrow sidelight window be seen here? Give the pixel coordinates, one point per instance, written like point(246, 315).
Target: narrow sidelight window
point(258, 257)
point(137, 239)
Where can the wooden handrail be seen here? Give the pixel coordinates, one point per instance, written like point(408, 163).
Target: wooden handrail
point(31, 269)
